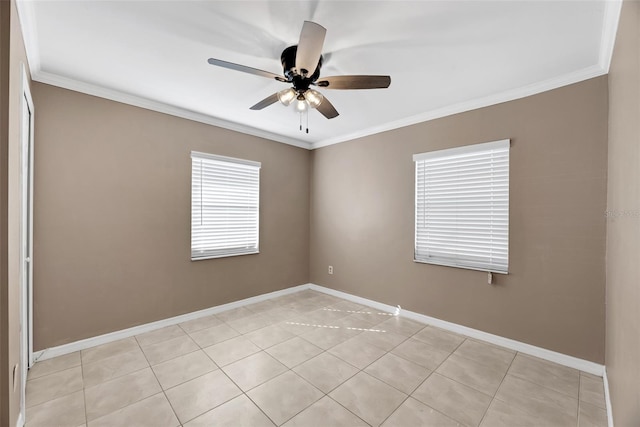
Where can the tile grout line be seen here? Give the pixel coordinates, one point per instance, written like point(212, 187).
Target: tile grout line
point(471, 387)
point(408, 394)
point(547, 362)
point(482, 363)
point(347, 409)
point(199, 376)
point(84, 393)
point(199, 330)
point(288, 370)
point(429, 376)
point(52, 373)
point(295, 314)
point(256, 405)
point(304, 379)
point(312, 403)
point(496, 392)
point(245, 393)
point(164, 361)
point(530, 381)
point(211, 409)
point(579, 400)
point(57, 396)
point(160, 384)
point(384, 382)
point(327, 394)
point(81, 365)
point(579, 392)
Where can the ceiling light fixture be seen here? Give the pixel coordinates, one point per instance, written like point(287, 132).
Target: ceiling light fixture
point(304, 99)
point(301, 104)
point(313, 97)
point(286, 96)
point(301, 66)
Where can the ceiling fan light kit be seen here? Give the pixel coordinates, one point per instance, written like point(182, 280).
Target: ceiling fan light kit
point(301, 67)
point(287, 96)
point(301, 104)
point(313, 97)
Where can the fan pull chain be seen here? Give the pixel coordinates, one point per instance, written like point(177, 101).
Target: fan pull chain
point(307, 113)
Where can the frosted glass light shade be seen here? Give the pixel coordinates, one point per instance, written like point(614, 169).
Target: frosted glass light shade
point(301, 105)
point(313, 97)
point(286, 96)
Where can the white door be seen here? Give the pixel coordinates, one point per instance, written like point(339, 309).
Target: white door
point(26, 255)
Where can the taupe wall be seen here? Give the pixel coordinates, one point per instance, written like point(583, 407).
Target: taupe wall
point(362, 221)
point(112, 217)
point(12, 58)
point(623, 226)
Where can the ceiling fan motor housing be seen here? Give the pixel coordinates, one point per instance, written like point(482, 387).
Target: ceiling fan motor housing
point(300, 82)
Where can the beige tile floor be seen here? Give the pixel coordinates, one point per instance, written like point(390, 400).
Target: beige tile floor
point(308, 359)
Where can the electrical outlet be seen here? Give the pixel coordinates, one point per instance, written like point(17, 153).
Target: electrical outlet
point(331, 269)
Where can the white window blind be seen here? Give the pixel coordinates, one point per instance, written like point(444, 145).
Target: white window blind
point(462, 207)
point(225, 195)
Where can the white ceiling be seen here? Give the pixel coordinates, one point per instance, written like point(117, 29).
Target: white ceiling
point(444, 57)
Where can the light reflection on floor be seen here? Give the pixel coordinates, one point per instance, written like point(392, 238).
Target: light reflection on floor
point(334, 327)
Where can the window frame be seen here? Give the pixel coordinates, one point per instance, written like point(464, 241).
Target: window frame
point(462, 150)
point(213, 254)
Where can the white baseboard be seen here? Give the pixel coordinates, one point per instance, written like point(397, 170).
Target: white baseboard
point(607, 398)
point(147, 327)
point(532, 350)
point(542, 353)
point(359, 300)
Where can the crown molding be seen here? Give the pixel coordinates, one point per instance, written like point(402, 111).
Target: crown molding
point(474, 104)
point(612, 10)
point(27, 17)
point(28, 24)
point(138, 101)
point(611, 17)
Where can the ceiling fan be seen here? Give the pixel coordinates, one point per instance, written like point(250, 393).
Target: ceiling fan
point(301, 67)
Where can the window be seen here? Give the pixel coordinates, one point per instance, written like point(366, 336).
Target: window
point(462, 207)
point(224, 206)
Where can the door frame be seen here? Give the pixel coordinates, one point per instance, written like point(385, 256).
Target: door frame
point(26, 233)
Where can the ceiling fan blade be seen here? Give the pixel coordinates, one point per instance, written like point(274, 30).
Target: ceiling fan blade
point(355, 82)
point(271, 99)
point(327, 109)
point(309, 48)
point(245, 69)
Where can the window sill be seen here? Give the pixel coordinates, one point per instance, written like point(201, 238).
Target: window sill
point(445, 264)
point(200, 258)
